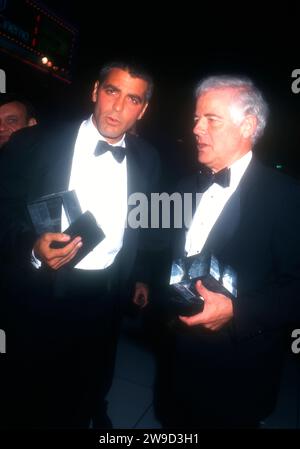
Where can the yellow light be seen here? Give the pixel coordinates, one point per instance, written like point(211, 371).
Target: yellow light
point(44, 60)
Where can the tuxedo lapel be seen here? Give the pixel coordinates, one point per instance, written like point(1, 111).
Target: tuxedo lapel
point(56, 168)
point(226, 226)
point(221, 233)
point(224, 231)
point(135, 180)
point(135, 183)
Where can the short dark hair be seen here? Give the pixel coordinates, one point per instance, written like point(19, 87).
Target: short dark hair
point(135, 70)
point(15, 98)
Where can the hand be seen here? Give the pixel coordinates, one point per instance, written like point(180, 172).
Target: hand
point(216, 313)
point(141, 295)
point(56, 258)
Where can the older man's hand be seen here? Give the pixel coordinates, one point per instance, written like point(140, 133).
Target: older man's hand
point(216, 313)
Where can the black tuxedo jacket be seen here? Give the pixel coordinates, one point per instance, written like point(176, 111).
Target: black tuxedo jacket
point(257, 234)
point(37, 162)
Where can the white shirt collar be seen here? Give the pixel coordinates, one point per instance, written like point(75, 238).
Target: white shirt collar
point(238, 168)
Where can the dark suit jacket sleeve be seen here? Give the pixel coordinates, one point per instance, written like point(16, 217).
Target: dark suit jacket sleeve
point(16, 171)
point(33, 163)
point(277, 302)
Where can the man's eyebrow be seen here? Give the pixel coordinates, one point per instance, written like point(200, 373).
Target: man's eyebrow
point(210, 115)
point(136, 97)
point(111, 86)
point(116, 89)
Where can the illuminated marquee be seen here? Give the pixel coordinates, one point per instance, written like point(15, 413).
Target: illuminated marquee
point(30, 32)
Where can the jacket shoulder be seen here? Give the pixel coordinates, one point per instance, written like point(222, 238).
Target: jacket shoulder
point(35, 140)
point(140, 145)
point(145, 154)
point(273, 179)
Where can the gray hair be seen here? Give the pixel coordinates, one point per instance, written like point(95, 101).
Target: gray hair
point(249, 99)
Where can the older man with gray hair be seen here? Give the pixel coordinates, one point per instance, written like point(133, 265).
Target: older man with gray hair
point(225, 362)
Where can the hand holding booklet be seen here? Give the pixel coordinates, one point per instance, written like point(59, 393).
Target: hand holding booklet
point(45, 214)
point(215, 276)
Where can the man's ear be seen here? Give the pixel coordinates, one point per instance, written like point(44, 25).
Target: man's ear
point(143, 111)
point(95, 92)
point(249, 126)
point(32, 122)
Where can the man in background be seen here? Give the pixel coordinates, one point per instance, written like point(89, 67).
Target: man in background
point(15, 113)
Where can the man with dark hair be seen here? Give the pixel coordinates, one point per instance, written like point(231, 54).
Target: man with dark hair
point(15, 113)
point(225, 362)
point(73, 314)
point(134, 70)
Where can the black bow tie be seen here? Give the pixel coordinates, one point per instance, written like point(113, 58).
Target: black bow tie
point(117, 152)
point(207, 178)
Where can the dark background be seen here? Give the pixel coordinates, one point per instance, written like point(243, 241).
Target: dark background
point(179, 45)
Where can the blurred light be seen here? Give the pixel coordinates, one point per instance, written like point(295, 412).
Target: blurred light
point(279, 166)
point(44, 60)
point(49, 63)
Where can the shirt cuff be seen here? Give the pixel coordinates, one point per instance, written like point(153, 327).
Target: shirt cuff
point(35, 262)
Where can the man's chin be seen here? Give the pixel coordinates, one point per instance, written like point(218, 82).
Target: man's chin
point(112, 136)
point(202, 159)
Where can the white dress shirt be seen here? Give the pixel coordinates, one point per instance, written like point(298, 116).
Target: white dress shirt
point(100, 183)
point(211, 205)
